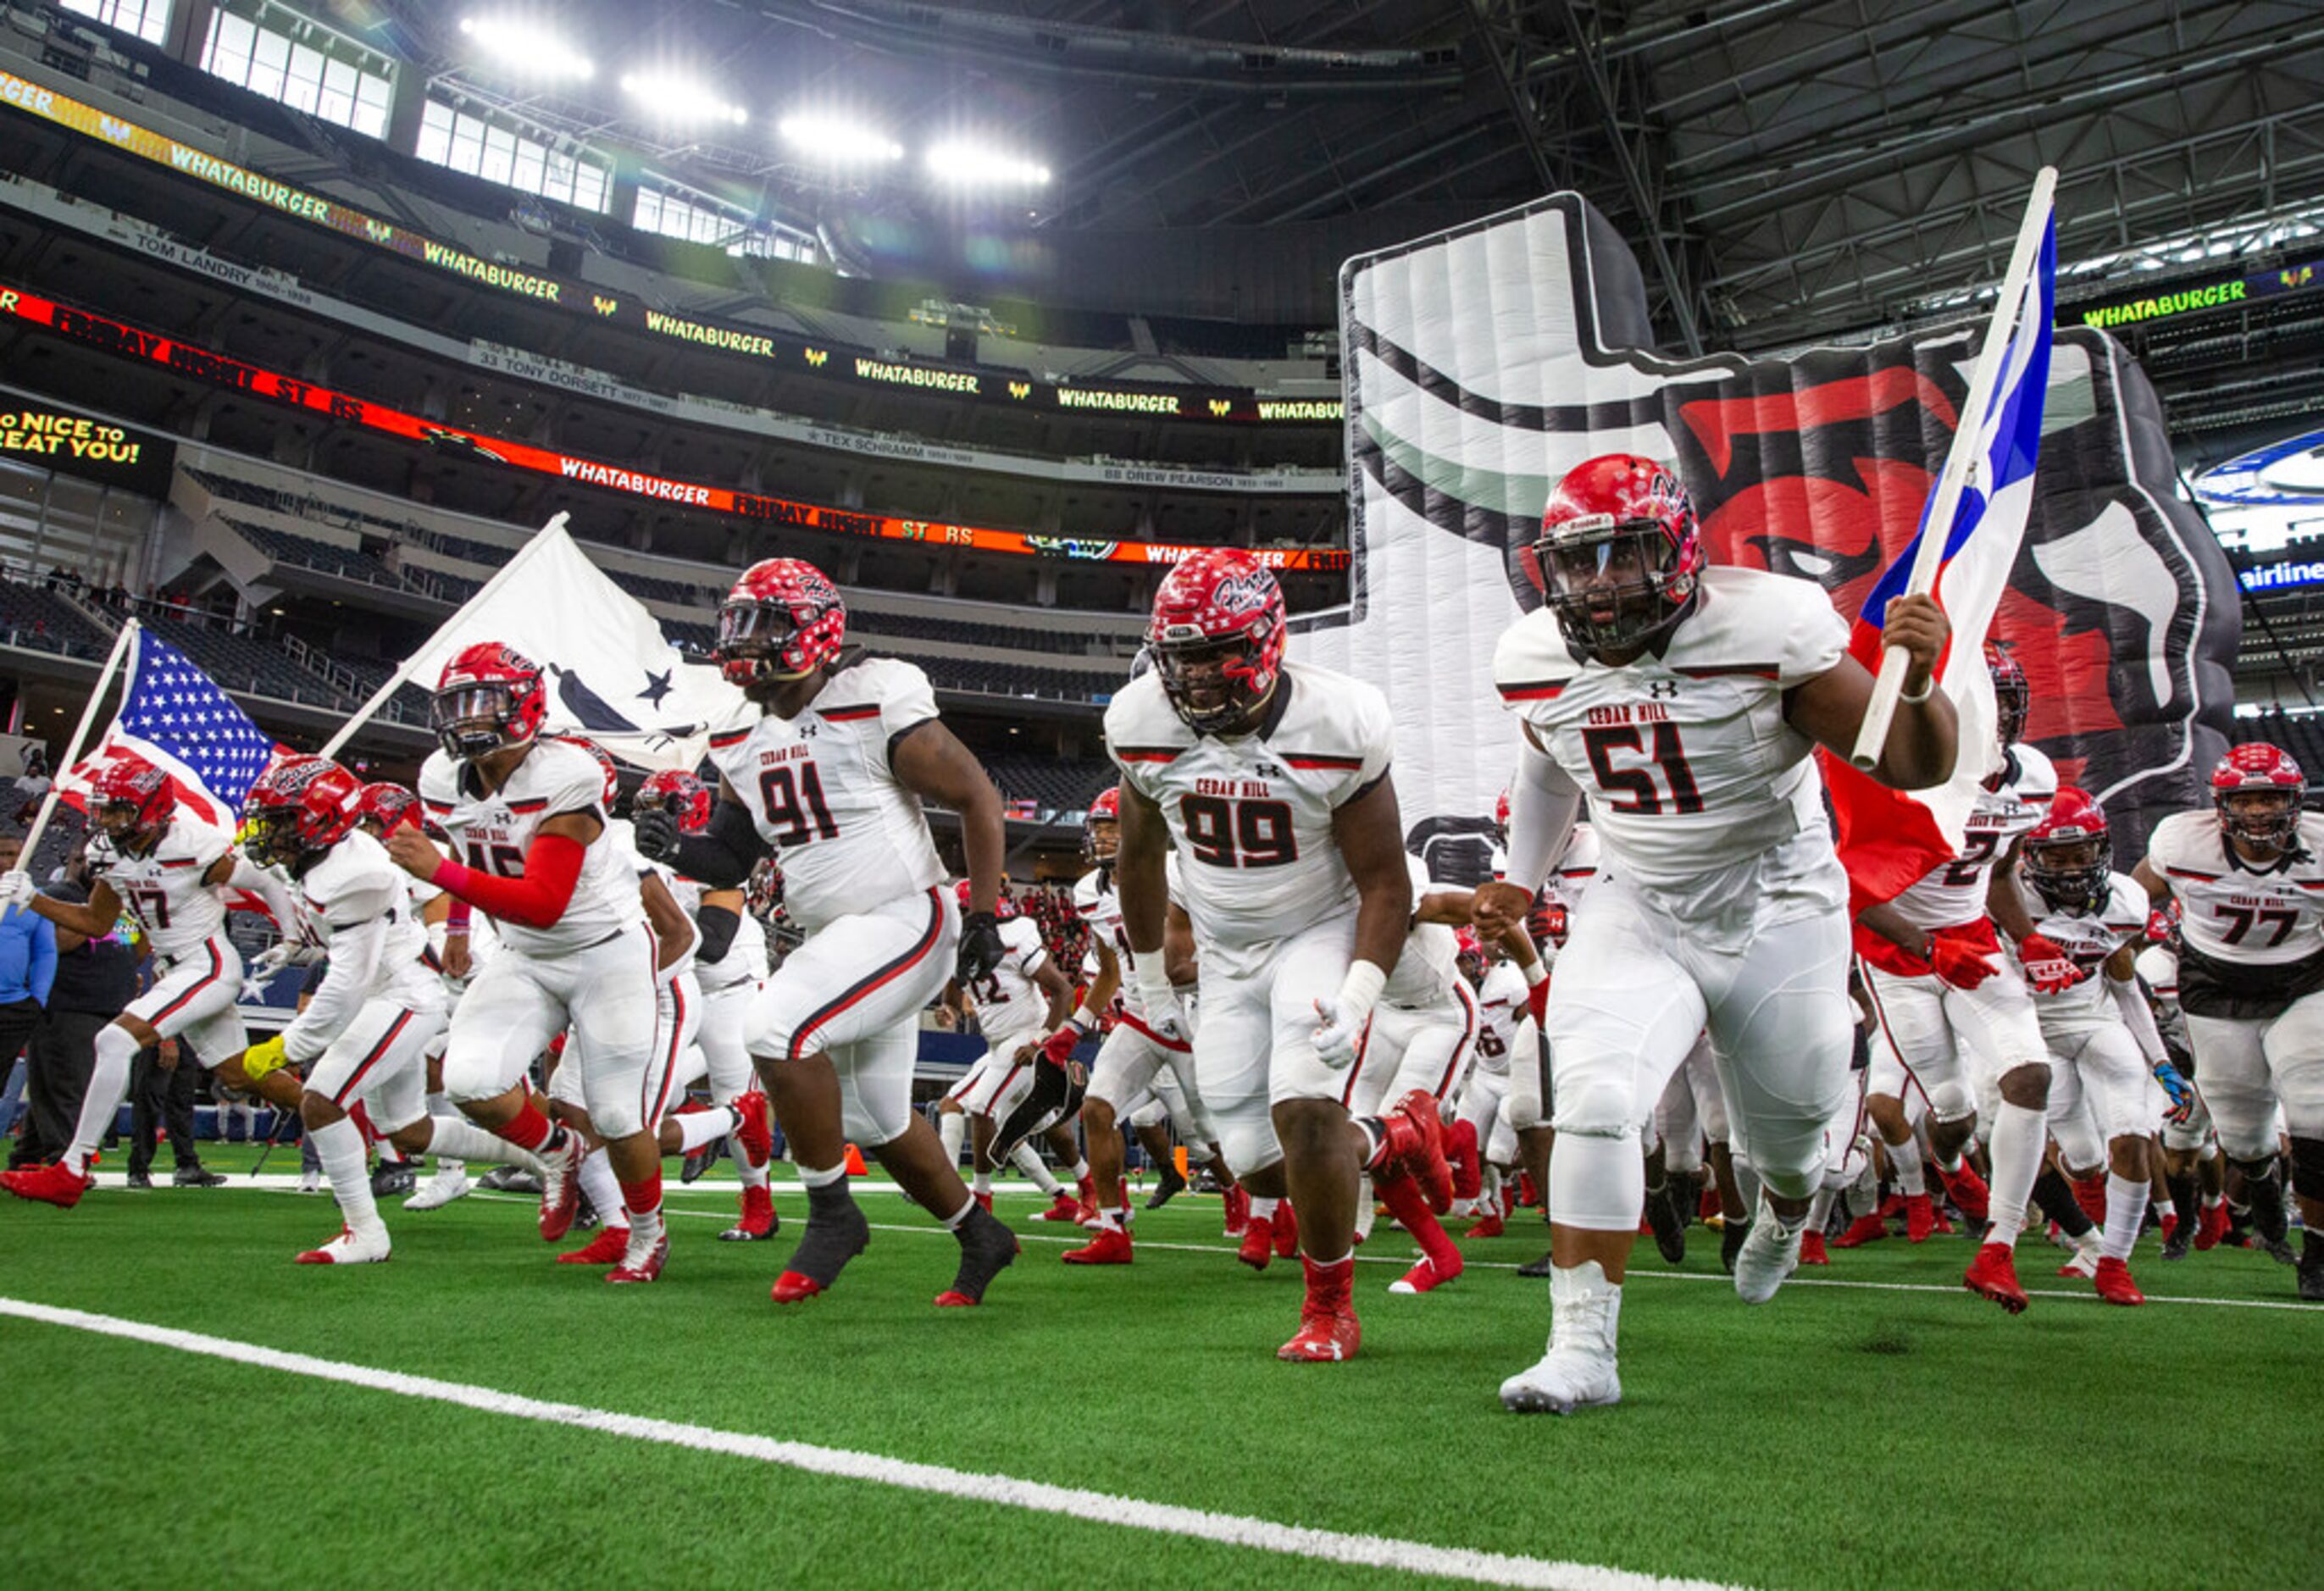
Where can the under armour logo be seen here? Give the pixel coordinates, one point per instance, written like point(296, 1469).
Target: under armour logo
point(1661, 690)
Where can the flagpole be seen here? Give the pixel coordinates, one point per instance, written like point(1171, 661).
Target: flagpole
point(402, 674)
point(129, 631)
point(1937, 528)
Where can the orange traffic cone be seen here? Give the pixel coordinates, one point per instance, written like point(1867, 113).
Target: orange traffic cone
point(855, 1166)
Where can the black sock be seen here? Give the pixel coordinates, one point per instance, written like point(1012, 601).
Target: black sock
point(2183, 1202)
point(2055, 1199)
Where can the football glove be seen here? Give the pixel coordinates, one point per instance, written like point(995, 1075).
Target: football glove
point(16, 887)
point(656, 833)
point(2047, 968)
point(262, 1058)
point(1961, 965)
point(981, 948)
point(2181, 1092)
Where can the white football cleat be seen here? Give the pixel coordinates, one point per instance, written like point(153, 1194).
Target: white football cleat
point(1768, 1256)
point(2088, 1250)
point(440, 1190)
point(1579, 1370)
point(310, 1182)
point(366, 1247)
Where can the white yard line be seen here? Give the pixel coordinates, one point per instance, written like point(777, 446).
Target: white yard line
point(1418, 1558)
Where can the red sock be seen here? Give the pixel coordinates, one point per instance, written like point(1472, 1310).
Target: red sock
point(1410, 1206)
point(529, 1129)
point(642, 1198)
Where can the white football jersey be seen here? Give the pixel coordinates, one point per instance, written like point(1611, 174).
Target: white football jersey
point(163, 891)
point(1953, 893)
point(2088, 938)
point(1251, 814)
point(490, 833)
point(848, 835)
point(1011, 1007)
point(1099, 905)
point(353, 889)
point(1685, 756)
point(2229, 912)
point(1500, 1011)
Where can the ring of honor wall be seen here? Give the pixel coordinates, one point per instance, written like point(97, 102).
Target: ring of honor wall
point(1485, 362)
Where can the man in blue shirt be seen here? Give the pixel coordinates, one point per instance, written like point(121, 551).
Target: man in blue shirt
point(28, 965)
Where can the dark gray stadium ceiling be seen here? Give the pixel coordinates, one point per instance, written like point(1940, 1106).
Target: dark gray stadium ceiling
point(1785, 170)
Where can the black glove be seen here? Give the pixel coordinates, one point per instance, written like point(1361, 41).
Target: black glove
point(981, 949)
point(657, 834)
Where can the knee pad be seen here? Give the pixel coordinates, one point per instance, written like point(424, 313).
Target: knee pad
point(2308, 1167)
point(471, 1073)
point(1152, 1113)
point(1250, 1146)
point(1598, 1102)
point(1598, 1183)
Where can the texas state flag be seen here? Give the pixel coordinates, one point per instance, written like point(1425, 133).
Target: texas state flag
point(1890, 839)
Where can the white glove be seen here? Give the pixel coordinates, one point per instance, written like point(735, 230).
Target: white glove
point(1344, 1019)
point(16, 887)
point(282, 953)
point(1163, 1014)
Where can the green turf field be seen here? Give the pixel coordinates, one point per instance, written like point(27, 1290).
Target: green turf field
point(1927, 1439)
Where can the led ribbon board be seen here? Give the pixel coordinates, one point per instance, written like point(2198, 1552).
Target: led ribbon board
point(59, 437)
point(131, 342)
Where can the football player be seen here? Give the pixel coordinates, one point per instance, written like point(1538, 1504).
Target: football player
point(2248, 876)
point(525, 816)
point(2193, 1172)
point(1686, 701)
point(1024, 999)
point(1939, 984)
point(171, 872)
point(828, 771)
point(366, 1031)
point(2100, 1030)
point(1273, 780)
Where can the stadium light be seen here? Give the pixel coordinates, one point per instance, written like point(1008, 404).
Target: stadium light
point(680, 100)
point(838, 142)
point(973, 165)
point(521, 47)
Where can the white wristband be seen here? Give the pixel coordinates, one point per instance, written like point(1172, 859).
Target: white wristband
point(1536, 975)
point(1927, 690)
point(1152, 969)
point(1360, 989)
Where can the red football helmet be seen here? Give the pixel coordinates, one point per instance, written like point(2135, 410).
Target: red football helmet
point(489, 696)
point(1501, 815)
point(387, 807)
point(1105, 809)
point(301, 807)
point(1004, 908)
point(605, 760)
point(681, 794)
point(1472, 949)
point(134, 802)
point(783, 619)
point(1620, 553)
point(2258, 788)
point(2013, 695)
point(2069, 856)
point(1217, 639)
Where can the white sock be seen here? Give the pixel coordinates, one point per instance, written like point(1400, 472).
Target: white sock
point(1026, 1161)
point(753, 1176)
point(456, 1137)
point(984, 1183)
point(1367, 1207)
point(1819, 1211)
point(1263, 1210)
point(697, 1127)
point(2125, 1210)
point(340, 1148)
point(645, 1225)
point(1912, 1175)
point(447, 1164)
point(1108, 1220)
point(108, 1086)
point(953, 1129)
point(1081, 1172)
point(1585, 1309)
point(2019, 1135)
point(824, 1178)
point(1490, 1194)
point(602, 1189)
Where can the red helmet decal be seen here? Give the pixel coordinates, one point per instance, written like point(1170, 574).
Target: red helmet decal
point(1221, 607)
point(301, 804)
point(488, 696)
point(131, 781)
point(784, 618)
point(391, 806)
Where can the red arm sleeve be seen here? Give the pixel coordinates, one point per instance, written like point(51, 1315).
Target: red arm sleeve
point(552, 865)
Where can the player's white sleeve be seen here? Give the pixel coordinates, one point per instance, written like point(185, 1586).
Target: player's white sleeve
point(1542, 805)
point(906, 699)
point(2139, 1017)
point(1815, 637)
point(280, 905)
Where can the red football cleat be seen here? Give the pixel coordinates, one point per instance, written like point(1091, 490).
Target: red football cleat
point(1287, 1230)
point(59, 1184)
point(1237, 1210)
point(1424, 1277)
point(2170, 1226)
point(759, 1217)
point(1812, 1251)
point(1086, 1189)
point(1460, 1154)
point(1066, 1208)
point(1993, 1275)
point(1258, 1242)
point(1920, 1216)
point(648, 1269)
point(1529, 1192)
point(1863, 1229)
point(985, 1199)
point(2209, 1228)
point(1110, 1247)
point(1489, 1225)
point(606, 1248)
point(2090, 1192)
point(1328, 1332)
point(953, 1298)
point(1968, 1189)
point(561, 1187)
point(2114, 1286)
point(756, 1139)
point(791, 1287)
point(1415, 1148)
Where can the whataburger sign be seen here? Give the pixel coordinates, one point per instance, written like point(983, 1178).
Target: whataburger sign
point(742, 342)
point(202, 364)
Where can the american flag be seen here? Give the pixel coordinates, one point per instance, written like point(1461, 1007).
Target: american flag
point(175, 717)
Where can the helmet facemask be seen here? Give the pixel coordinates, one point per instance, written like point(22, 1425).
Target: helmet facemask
point(2071, 873)
point(2266, 819)
point(1213, 681)
point(758, 644)
point(271, 837)
point(473, 720)
point(124, 823)
point(1614, 585)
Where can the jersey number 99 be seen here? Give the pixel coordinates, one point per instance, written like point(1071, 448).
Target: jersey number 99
point(1238, 833)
